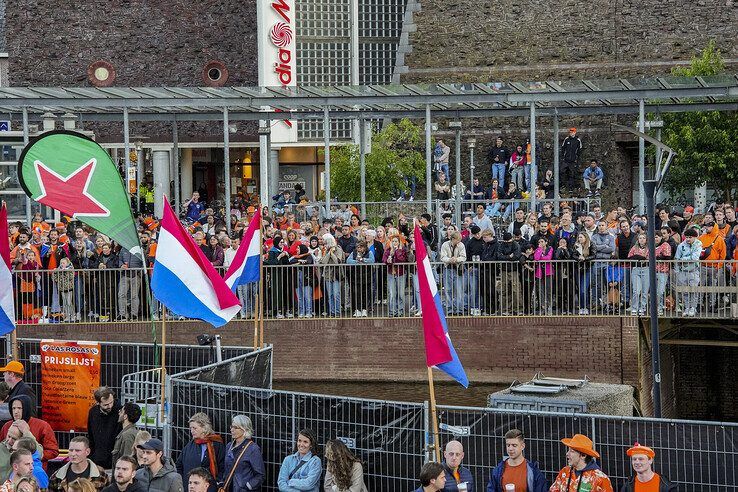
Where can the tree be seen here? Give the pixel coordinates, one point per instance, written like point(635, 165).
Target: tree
point(706, 142)
point(395, 154)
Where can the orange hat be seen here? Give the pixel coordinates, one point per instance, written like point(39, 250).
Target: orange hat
point(251, 209)
point(153, 225)
point(639, 449)
point(572, 129)
point(581, 443)
point(148, 220)
point(14, 366)
point(60, 225)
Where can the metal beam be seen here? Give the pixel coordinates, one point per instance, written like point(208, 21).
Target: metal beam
point(227, 168)
point(704, 343)
point(77, 103)
point(642, 158)
point(428, 156)
point(557, 191)
point(327, 150)
point(175, 157)
point(533, 167)
point(362, 165)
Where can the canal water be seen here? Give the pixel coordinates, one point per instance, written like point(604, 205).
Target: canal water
point(446, 393)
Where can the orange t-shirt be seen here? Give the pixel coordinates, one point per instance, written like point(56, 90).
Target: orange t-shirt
point(517, 475)
point(650, 486)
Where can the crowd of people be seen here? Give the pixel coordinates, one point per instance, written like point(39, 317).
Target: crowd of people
point(573, 262)
point(115, 456)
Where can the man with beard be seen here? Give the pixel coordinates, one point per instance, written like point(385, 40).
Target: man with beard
point(103, 426)
point(124, 477)
point(128, 415)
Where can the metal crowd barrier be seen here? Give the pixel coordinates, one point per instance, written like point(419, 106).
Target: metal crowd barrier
point(697, 455)
point(501, 211)
point(119, 359)
point(473, 288)
point(391, 437)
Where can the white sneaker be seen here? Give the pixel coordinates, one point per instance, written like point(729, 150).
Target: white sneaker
point(300, 315)
point(308, 315)
point(584, 311)
point(357, 313)
point(418, 314)
point(280, 316)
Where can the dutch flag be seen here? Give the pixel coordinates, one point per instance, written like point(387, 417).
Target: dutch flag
point(7, 306)
point(439, 351)
point(245, 266)
point(185, 281)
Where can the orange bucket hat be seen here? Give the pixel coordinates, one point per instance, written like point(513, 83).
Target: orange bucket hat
point(581, 443)
point(640, 449)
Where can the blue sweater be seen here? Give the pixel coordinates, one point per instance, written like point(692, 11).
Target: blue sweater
point(249, 473)
point(306, 479)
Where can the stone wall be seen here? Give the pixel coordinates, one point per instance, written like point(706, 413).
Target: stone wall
point(163, 43)
point(547, 39)
point(496, 350)
point(512, 40)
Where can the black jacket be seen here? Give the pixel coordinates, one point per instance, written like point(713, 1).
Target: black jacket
point(134, 487)
point(501, 153)
point(507, 251)
point(430, 237)
point(474, 247)
point(23, 389)
point(665, 485)
point(101, 431)
point(570, 149)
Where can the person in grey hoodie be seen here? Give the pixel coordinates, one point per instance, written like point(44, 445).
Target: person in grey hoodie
point(603, 247)
point(157, 473)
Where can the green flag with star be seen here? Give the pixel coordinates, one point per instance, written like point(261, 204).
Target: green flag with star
point(71, 173)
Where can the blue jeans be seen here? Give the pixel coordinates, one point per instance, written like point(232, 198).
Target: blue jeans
point(453, 288)
point(517, 176)
point(333, 293)
point(498, 173)
point(471, 282)
point(527, 176)
point(396, 292)
point(689, 279)
point(443, 168)
point(639, 276)
point(247, 295)
point(493, 209)
point(511, 208)
point(662, 279)
point(598, 279)
point(304, 296)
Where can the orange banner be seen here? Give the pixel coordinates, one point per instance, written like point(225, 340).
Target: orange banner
point(70, 373)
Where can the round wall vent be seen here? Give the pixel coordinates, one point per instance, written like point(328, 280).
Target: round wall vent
point(214, 74)
point(101, 74)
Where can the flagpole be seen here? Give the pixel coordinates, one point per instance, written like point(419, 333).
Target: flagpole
point(163, 360)
point(260, 298)
point(434, 416)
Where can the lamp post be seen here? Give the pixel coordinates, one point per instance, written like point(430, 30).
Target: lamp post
point(456, 125)
point(651, 188)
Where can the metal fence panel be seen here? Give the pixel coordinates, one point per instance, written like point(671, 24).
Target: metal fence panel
point(388, 436)
point(696, 455)
point(117, 360)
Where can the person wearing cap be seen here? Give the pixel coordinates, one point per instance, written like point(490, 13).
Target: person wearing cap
point(571, 147)
point(157, 473)
point(20, 409)
point(582, 471)
point(645, 479)
point(13, 373)
point(714, 252)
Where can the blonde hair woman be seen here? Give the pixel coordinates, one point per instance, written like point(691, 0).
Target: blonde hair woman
point(205, 450)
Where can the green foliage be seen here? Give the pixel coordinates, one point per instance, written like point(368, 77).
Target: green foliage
point(706, 142)
point(397, 151)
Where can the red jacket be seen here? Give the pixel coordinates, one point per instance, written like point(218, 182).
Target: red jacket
point(40, 429)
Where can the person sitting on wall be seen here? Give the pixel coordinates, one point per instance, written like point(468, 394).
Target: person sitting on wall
point(593, 177)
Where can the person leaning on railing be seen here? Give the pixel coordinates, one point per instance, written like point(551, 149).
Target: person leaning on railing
point(453, 256)
point(395, 257)
point(508, 252)
point(332, 273)
point(688, 269)
point(279, 280)
point(663, 252)
point(712, 272)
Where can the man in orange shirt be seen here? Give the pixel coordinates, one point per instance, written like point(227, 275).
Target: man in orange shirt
point(515, 469)
point(645, 479)
point(582, 471)
point(712, 264)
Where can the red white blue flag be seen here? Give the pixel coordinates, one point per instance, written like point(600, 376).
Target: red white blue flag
point(244, 268)
point(7, 307)
point(439, 351)
point(185, 281)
